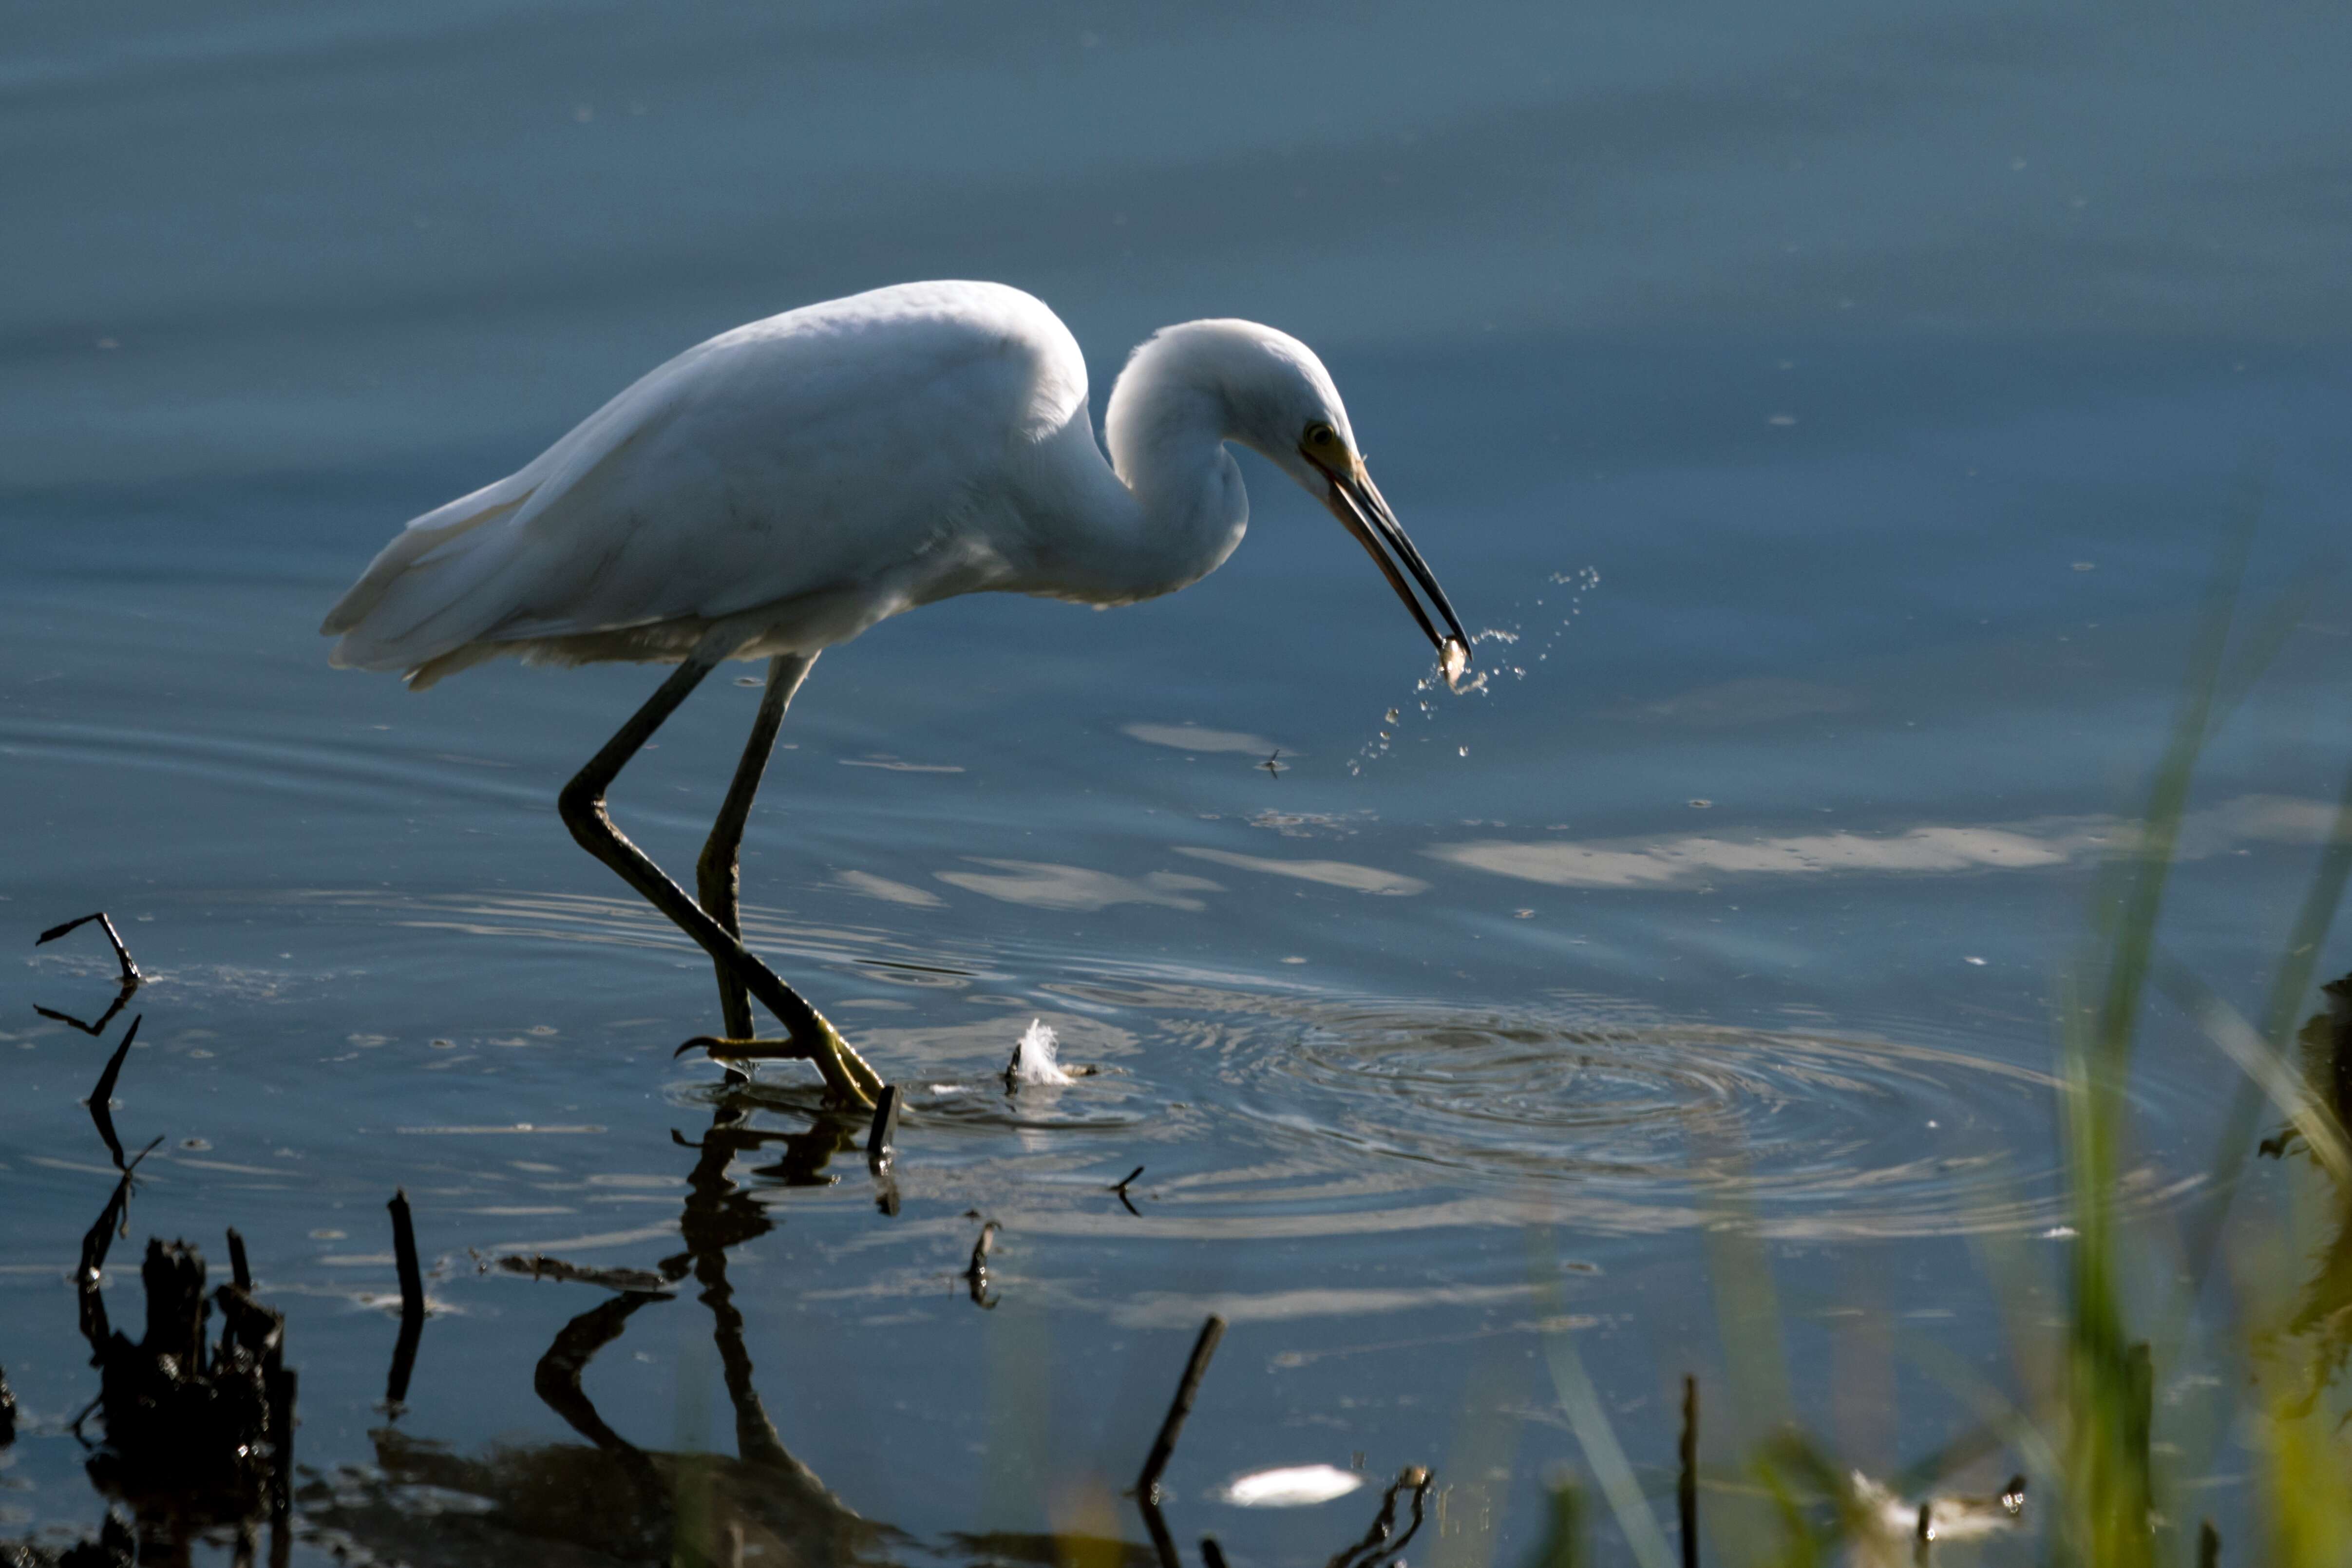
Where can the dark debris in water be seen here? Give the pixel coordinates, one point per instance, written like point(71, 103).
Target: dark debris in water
point(196, 1434)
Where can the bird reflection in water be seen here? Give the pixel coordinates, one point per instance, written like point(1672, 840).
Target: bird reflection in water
point(609, 1500)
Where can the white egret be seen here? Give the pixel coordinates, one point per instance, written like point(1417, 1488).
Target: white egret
point(779, 489)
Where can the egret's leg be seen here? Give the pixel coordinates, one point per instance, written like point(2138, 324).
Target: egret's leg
point(582, 804)
point(717, 875)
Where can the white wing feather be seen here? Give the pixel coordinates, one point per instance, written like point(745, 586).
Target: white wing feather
point(864, 453)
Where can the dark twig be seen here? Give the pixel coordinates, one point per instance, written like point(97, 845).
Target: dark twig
point(1147, 1483)
point(102, 1111)
point(885, 1133)
point(238, 1269)
point(2209, 1546)
point(1211, 1554)
point(404, 1255)
point(1686, 1485)
point(404, 1364)
point(1924, 1537)
point(1120, 1186)
point(412, 1301)
point(131, 975)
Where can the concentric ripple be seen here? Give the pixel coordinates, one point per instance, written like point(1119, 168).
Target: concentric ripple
point(1662, 1124)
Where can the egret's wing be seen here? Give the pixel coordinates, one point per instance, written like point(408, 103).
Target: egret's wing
point(825, 451)
point(431, 566)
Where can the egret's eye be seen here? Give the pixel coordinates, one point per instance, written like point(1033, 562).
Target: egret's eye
point(1322, 437)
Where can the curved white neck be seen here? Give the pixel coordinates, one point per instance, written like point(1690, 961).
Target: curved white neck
point(1169, 507)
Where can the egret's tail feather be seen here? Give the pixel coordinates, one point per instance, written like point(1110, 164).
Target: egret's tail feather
point(409, 607)
point(438, 527)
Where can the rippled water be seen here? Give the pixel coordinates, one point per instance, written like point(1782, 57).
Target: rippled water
point(1827, 420)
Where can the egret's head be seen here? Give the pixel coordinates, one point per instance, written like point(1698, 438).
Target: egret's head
point(1268, 392)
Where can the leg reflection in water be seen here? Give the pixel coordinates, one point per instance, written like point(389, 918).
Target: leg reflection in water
point(613, 1501)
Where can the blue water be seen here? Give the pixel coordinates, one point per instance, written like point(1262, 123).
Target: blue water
point(1844, 412)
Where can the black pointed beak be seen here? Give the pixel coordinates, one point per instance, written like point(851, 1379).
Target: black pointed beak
point(1356, 502)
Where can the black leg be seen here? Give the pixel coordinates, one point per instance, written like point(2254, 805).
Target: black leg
point(582, 804)
point(718, 873)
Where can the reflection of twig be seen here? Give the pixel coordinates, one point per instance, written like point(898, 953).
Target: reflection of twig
point(1120, 1186)
point(1686, 1484)
point(1147, 1483)
point(540, 1266)
point(1376, 1543)
point(104, 1018)
point(975, 1273)
point(132, 977)
point(102, 1111)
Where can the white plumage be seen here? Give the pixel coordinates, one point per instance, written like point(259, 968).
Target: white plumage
point(814, 473)
point(780, 488)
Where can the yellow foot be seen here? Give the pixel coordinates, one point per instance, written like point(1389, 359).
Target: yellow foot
point(847, 1079)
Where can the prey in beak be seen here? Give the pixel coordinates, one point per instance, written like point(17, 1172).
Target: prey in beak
point(1356, 502)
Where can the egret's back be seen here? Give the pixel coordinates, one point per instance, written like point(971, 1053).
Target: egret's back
point(806, 474)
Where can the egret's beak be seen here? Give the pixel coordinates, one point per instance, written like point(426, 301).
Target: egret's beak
point(1356, 502)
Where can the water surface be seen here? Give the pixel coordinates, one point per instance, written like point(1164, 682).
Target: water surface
point(1834, 418)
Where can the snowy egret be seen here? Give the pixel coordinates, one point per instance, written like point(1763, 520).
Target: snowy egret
point(782, 488)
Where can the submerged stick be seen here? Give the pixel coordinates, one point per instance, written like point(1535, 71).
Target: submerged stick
point(131, 975)
point(1155, 1524)
point(975, 1273)
point(540, 1266)
point(885, 1132)
point(1147, 1484)
point(1686, 1485)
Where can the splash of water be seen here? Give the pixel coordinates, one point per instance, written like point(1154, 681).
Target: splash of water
point(1452, 674)
point(1034, 1060)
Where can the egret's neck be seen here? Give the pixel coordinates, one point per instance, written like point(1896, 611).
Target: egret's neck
point(1171, 507)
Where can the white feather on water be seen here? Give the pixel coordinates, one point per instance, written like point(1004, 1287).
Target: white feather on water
point(1034, 1059)
point(1294, 1486)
